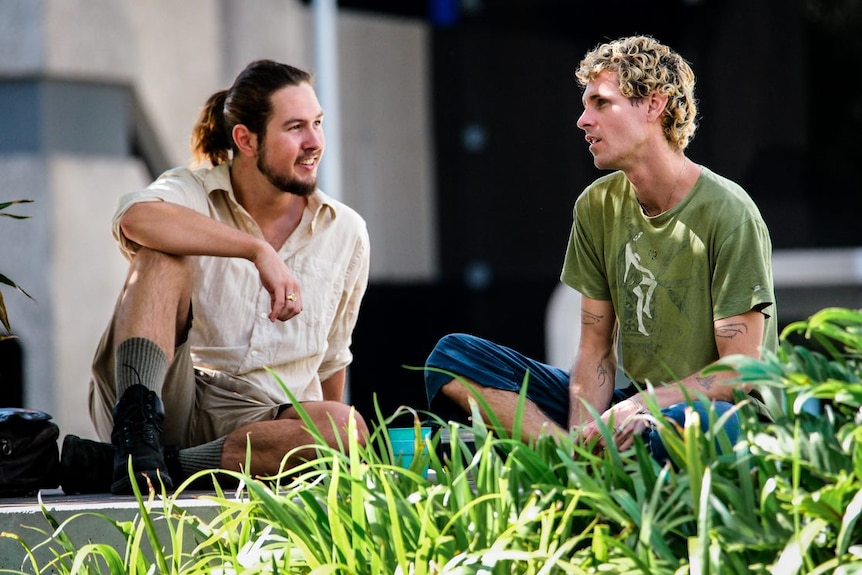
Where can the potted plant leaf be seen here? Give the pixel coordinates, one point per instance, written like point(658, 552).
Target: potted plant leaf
point(5, 326)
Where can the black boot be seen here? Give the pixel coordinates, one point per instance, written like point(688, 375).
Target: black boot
point(138, 422)
point(86, 466)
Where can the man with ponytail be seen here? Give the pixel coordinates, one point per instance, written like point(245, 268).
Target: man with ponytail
point(244, 277)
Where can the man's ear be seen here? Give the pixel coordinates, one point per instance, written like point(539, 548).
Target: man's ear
point(245, 140)
point(656, 104)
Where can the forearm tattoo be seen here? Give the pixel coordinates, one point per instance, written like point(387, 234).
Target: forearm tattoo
point(706, 382)
point(602, 371)
point(731, 330)
point(601, 374)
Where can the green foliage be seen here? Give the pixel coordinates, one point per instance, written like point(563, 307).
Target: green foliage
point(809, 460)
point(6, 330)
point(785, 500)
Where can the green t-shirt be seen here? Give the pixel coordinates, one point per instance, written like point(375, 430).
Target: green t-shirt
point(671, 276)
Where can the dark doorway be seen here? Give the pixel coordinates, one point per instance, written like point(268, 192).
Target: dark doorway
point(11, 373)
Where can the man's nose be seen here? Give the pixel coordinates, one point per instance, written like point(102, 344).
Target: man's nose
point(583, 120)
point(314, 139)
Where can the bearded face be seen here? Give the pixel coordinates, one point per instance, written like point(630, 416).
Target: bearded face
point(290, 182)
point(292, 143)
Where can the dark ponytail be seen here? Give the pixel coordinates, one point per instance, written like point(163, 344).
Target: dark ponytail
point(211, 138)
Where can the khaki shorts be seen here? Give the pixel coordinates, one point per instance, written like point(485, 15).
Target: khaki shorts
point(200, 405)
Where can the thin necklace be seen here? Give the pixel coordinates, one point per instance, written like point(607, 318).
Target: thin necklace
point(672, 192)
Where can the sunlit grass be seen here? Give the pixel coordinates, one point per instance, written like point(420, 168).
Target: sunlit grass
point(786, 499)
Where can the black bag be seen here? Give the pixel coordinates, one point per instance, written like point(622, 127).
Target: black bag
point(29, 456)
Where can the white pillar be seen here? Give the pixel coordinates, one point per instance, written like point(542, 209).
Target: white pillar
point(326, 84)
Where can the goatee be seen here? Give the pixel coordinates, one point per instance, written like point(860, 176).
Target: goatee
point(293, 186)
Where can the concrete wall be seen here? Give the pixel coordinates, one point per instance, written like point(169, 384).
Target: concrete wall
point(90, 77)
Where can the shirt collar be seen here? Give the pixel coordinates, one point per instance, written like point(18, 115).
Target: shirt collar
point(319, 204)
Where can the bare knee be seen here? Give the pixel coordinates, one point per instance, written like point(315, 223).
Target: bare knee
point(458, 393)
point(333, 420)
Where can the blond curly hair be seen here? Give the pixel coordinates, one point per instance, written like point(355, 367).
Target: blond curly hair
point(645, 66)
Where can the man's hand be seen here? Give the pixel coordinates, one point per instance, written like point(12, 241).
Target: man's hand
point(284, 290)
point(625, 420)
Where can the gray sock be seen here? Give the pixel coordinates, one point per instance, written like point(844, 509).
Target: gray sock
point(201, 457)
point(140, 361)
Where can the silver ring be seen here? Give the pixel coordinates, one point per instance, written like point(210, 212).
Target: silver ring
point(617, 429)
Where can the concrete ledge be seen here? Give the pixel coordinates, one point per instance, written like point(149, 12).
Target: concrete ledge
point(91, 518)
point(822, 267)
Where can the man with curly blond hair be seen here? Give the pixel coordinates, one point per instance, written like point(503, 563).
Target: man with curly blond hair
point(672, 261)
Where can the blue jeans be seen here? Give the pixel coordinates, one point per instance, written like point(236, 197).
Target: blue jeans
point(676, 413)
point(492, 365)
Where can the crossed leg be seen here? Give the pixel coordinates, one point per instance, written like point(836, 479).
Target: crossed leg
point(504, 405)
point(271, 440)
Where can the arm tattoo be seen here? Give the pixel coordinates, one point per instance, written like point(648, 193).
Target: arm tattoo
point(706, 382)
point(601, 374)
point(731, 330)
point(588, 318)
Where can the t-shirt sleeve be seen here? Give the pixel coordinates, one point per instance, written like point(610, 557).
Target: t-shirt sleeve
point(743, 272)
point(584, 265)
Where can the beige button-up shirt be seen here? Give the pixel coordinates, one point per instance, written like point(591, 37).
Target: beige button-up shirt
point(329, 255)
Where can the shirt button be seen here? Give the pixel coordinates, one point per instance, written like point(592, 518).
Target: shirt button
point(263, 315)
point(255, 353)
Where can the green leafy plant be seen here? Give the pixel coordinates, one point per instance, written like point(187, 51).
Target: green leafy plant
point(4, 318)
point(809, 461)
point(785, 499)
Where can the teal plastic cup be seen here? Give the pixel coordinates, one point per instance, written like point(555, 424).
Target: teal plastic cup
point(404, 444)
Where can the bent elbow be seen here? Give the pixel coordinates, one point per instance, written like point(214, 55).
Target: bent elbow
point(134, 221)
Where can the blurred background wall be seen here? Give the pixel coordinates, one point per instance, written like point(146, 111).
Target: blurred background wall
point(457, 143)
